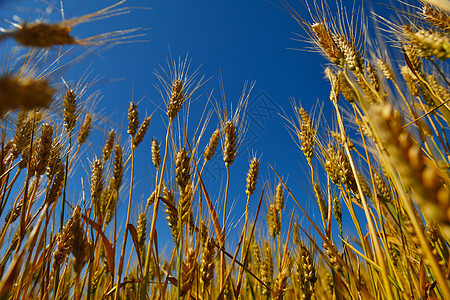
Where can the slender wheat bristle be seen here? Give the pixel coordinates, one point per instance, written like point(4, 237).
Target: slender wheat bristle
point(212, 145)
point(133, 119)
point(85, 129)
point(156, 154)
point(109, 145)
point(70, 110)
point(141, 132)
point(252, 176)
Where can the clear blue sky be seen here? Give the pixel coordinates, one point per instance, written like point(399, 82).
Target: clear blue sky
point(242, 40)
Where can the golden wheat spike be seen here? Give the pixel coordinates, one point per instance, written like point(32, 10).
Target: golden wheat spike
point(45, 35)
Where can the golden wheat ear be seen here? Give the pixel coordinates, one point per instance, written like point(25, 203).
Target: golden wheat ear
point(27, 93)
point(46, 35)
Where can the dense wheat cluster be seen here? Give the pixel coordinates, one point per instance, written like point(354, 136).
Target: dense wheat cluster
point(383, 170)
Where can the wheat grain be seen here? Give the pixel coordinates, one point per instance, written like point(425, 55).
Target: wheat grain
point(207, 264)
point(252, 176)
point(212, 145)
point(141, 132)
point(70, 110)
point(133, 119)
point(85, 130)
point(42, 152)
point(229, 143)
point(156, 155)
point(182, 169)
point(109, 145)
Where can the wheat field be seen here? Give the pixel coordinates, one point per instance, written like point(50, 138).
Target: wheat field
point(381, 169)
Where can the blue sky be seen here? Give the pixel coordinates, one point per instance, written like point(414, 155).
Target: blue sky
point(241, 40)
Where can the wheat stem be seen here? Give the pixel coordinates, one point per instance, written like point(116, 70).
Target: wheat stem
point(224, 219)
point(372, 230)
point(155, 215)
point(124, 243)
